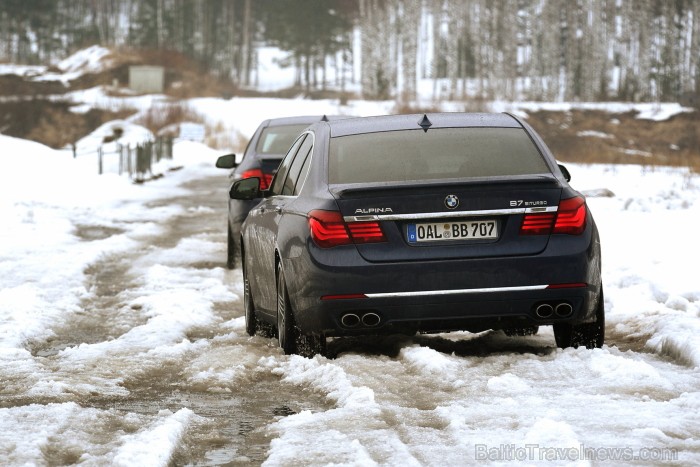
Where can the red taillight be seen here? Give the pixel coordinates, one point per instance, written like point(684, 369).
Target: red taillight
point(570, 219)
point(329, 229)
point(538, 224)
point(265, 179)
point(571, 216)
point(366, 232)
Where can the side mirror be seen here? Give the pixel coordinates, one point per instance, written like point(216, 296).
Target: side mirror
point(246, 189)
point(565, 172)
point(227, 162)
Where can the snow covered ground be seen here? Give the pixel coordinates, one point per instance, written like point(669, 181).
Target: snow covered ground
point(449, 399)
point(430, 400)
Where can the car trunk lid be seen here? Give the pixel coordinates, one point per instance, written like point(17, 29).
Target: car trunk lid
point(453, 219)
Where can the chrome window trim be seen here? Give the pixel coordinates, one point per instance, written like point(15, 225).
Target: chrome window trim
point(312, 135)
point(449, 215)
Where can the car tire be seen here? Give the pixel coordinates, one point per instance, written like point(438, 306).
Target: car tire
point(251, 324)
point(590, 335)
point(310, 345)
point(522, 331)
point(232, 251)
point(290, 338)
point(287, 331)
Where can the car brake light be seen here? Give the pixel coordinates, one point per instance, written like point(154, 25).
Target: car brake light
point(571, 216)
point(366, 232)
point(265, 179)
point(570, 219)
point(538, 224)
point(329, 229)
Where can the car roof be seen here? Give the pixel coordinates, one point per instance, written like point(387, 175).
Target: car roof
point(301, 119)
point(376, 124)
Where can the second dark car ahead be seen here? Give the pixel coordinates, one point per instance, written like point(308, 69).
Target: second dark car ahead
point(261, 157)
point(420, 223)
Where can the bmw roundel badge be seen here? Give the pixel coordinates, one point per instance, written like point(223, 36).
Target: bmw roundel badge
point(451, 201)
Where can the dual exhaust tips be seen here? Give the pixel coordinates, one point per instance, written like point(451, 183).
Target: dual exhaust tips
point(557, 310)
point(542, 311)
point(353, 320)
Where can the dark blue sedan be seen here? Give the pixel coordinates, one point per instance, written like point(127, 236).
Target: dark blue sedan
point(420, 223)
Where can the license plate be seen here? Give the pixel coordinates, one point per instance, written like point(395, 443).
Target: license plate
point(450, 231)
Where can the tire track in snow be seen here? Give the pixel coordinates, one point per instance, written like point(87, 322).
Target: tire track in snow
point(430, 400)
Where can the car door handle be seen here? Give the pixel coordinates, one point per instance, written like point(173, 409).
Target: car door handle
point(277, 209)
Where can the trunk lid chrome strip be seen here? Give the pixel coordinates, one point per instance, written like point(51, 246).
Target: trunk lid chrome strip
point(448, 215)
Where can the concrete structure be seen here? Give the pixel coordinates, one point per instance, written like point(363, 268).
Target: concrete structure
point(146, 79)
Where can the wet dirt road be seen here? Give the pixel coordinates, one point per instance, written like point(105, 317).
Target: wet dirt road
point(231, 416)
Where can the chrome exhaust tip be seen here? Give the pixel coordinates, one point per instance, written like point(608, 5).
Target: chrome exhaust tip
point(350, 320)
point(563, 310)
point(544, 310)
point(370, 319)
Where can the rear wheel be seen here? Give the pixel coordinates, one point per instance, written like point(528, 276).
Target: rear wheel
point(590, 335)
point(232, 251)
point(290, 338)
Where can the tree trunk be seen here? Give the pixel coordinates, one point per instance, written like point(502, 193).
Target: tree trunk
point(410, 24)
point(247, 41)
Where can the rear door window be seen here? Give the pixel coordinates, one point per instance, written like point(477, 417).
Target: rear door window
point(437, 154)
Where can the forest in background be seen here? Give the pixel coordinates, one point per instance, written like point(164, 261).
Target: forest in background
point(550, 50)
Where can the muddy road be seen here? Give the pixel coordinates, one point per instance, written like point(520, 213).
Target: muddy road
point(230, 416)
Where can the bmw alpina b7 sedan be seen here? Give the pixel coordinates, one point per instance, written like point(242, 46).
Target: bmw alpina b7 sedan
point(420, 223)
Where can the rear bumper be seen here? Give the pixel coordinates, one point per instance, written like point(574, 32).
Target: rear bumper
point(468, 294)
point(472, 312)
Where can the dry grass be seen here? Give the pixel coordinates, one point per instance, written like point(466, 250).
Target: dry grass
point(51, 122)
point(162, 115)
point(601, 137)
point(217, 136)
point(13, 85)
point(220, 137)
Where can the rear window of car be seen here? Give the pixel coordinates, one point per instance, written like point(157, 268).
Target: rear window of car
point(437, 154)
point(278, 139)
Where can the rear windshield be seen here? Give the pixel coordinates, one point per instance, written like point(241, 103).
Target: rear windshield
point(433, 155)
point(278, 139)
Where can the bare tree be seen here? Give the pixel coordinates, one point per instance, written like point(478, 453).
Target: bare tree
point(409, 14)
point(507, 49)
